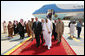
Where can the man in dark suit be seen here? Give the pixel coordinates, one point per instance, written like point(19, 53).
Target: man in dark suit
point(15, 27)
point(79, 28)
point(54, 33)
point(21, 29)
point(37, 28)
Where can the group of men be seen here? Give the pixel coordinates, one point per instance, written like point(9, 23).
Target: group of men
point(43, 30)
point(78, 28)
point(18, 28)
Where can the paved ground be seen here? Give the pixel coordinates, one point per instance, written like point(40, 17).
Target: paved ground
point(7, 44)
point(76, 44)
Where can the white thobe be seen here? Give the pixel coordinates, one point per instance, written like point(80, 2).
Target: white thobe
point(72, 29)
point(4, 27)
point(44, 31)
point(47, 36)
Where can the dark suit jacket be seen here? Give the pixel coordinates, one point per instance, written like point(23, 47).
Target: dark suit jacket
point(37, 28)
point(53, 29)
point(20, 27)
point(69, 24)
point(14, 26)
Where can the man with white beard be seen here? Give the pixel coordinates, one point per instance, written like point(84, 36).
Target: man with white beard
point(47, 32)
point(44, 28)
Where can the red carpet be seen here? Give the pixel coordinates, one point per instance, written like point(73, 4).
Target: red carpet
point(30, 49)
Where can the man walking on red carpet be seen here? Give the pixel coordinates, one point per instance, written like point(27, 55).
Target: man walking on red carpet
point(37, 29)
point(47, 33)
point(59, 29)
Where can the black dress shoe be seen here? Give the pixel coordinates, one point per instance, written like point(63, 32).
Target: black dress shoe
point(21, 38)
point(58, 42)
point(37, 46)
point(41, 43)
point(78, 38)
point(55, 39)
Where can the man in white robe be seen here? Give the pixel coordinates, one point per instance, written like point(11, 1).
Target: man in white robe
point(47, 33)
point(44, 29)
point(72, 30)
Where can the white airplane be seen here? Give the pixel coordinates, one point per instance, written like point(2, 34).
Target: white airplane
point(61, 10)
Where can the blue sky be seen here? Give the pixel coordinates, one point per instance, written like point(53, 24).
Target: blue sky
point(15, 10)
